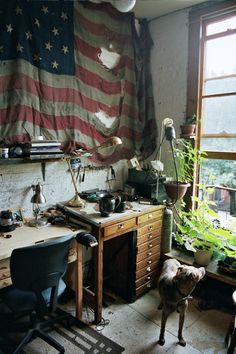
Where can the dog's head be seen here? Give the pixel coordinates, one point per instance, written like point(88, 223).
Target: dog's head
point(187, 277)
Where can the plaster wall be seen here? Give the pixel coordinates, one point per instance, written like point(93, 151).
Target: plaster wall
point(169, 60)
point(169, 72)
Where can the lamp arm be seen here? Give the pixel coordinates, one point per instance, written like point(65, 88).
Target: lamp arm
point(72, 176)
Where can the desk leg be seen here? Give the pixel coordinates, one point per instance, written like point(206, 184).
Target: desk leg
point(232, 203)
point(79, 282)
point(98, 271)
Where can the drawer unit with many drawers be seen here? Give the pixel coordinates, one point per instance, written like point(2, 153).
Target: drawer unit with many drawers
point(148, 251)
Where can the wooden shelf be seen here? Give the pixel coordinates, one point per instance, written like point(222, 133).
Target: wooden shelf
point(20, 160)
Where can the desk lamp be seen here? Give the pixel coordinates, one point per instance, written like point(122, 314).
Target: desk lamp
point(76, 201)
point(38, 198)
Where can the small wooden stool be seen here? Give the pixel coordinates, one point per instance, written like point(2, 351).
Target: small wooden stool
point(230, 338)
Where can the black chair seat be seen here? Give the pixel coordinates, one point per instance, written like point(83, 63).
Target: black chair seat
point(20, 301)
point(37, 282)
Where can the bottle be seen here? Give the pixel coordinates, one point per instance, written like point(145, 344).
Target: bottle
point(167, 230)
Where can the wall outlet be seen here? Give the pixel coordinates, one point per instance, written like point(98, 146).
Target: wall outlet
point(133, 163)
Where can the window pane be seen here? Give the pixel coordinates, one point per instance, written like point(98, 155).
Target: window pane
point(218, 144)
point(220, 57)
point(222, 85)
point(221, 26)
point(222, 175)
point(219, 115)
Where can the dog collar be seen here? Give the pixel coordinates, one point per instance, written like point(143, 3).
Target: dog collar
point(184, 296)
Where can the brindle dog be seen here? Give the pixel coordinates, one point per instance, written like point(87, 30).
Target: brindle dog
point(176, 283)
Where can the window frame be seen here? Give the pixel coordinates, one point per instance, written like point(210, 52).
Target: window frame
point(194, 80)
point(195, 64)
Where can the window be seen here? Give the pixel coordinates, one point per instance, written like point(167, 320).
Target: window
point(212, 94)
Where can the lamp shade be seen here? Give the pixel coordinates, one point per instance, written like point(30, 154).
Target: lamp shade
point(123, 5)
point(38, 197)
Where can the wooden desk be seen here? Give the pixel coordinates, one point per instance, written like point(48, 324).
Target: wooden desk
point(211, 270)
point(25, 236)
point(145, 221)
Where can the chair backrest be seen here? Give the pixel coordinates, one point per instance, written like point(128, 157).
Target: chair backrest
point(40, 266)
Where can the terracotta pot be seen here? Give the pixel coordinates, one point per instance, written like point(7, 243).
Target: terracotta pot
point(203, 257)
point(187, 130)
point(174, 190)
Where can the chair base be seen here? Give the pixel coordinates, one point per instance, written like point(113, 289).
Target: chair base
point(37, 331)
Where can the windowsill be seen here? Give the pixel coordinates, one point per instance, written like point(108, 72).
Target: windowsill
point(212, 269)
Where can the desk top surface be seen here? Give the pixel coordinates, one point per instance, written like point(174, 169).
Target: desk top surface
point(92, 214)
point(25, 235)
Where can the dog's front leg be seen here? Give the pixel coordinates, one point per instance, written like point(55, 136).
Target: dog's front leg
point(164, 317)
point(181, 324)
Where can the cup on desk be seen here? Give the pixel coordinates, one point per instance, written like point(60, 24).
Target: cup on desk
point(108, 203)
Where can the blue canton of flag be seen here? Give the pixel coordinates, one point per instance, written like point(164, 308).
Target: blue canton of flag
point(40, 32)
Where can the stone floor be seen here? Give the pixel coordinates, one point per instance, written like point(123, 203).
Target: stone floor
point(136, 327)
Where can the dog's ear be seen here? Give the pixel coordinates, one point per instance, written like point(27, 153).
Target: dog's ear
point(180, 268)
point(191, 276)
point(177, 275)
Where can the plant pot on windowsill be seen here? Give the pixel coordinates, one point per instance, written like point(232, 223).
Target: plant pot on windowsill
point(188, 127)
point(203, 252)
point(187, 130)
point(176, 190)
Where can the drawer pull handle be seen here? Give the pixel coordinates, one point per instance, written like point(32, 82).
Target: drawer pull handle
point(149, 262)
point(148, 278)
point(120, 226)
point(150, 216)
point(148, 269)
point(149, 235)
point(149, 253)
point(150, 245)
point(150, 228)
point(148, 285)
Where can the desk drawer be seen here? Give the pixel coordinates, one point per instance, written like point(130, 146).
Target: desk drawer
point(148, 253)
point(5, 282)
point(147, 286)
point(152, 216)
point(151, 236)
point(5, 269)
point(148, 261)
point(148, 269)
point(148, 245)
point(146, 278)
point(119, 228)
point(151, 227)
point(72, 251)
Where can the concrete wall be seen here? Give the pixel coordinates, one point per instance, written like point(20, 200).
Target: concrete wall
point(169, 71)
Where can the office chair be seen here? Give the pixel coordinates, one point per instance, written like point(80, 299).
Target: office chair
point(36, 273)
point(230, 337)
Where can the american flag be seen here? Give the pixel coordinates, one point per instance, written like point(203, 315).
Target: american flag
point(54, 80)
point(41, 33)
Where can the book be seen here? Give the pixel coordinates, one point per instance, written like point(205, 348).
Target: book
point(49, 149)
point(46, 156)
point(39, 143)
point(41, 152)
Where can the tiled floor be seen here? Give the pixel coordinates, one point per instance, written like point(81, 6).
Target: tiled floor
point(136, 327)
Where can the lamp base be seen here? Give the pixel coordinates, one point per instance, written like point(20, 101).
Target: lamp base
point(38, 223)
point(76, 201)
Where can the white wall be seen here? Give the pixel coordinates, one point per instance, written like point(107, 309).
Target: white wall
point(169, 71)
point(16, 181)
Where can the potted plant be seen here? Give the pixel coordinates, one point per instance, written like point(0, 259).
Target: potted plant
point(186, 157)
point(189, 126)
point(197, 232)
